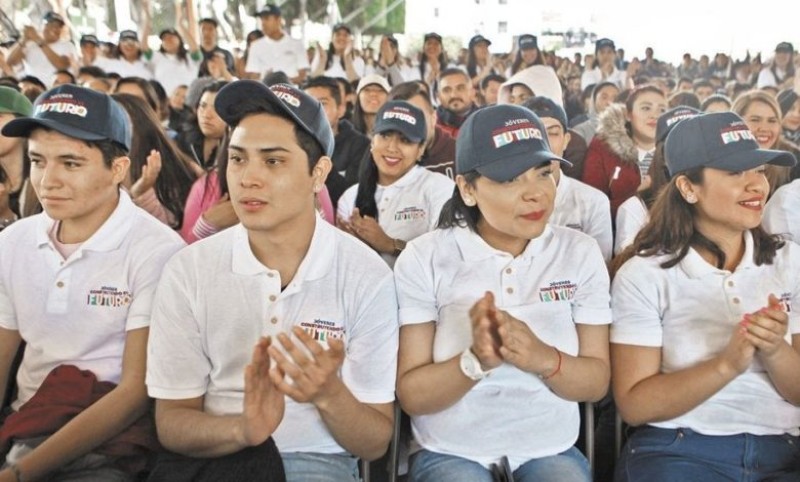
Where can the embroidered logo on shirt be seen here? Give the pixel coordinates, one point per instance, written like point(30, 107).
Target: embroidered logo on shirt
point(409, 214)
point(108, 296)
point(786, 302)
point(323, 330)
point(558, 291)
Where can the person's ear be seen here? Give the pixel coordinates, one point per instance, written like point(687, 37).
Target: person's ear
point(120, 168)
point(466, 190)
point(320, 172)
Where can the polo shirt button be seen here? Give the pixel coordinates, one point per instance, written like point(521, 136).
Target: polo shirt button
point(509, 270)
point(60, 284)
point(273, 297)
point(730, 283)
point(274, 320)
point(510, 290)
point(736, 301)
point(271, 275)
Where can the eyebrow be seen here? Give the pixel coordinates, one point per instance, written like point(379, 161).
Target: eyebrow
point(63, 157)
point(263, 150)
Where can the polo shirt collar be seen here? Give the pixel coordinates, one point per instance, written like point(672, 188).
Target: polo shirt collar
point(696, 267)
point(108, 237)
point(406, 179)
point(316, 263)
point(474, 248)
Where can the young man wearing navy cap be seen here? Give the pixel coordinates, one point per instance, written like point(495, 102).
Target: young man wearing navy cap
point(276, 51)
point(76, 284)
point(318, 306)
point(43, 53)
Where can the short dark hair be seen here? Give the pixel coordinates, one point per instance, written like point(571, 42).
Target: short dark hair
point(407, 90)
point(491, 78)
point(326, 83)
point(67, 73)
point(453, 71)
point(109, 149)
point(33, 80)
point(306, 141)
point(93, 71)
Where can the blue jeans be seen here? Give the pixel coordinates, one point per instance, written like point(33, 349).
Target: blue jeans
point(664, 455)
point(568, 466)
point(311, 467)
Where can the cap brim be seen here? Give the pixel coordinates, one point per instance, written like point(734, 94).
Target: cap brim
point(395, 128)
point(251, 89)
point(746, 160)
point(22, 128)
point(511, 166)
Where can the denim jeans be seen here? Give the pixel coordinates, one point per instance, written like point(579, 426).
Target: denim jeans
point(311, 467)
point(664, 455)
point(568, 466)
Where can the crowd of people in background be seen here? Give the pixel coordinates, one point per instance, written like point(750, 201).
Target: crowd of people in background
point(441, 180)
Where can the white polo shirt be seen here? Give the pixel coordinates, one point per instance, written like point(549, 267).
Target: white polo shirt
point(690, 311)
point(337, 70)
point(559, 280)
point(78, 311)
point(782, 212)
point(216, 299)
point(286, 55)
point(171, 72)
point(582, 207)
point(137, 68)
point(595, 76)
point(36, 63)
point(407, 208)
point(632, 215)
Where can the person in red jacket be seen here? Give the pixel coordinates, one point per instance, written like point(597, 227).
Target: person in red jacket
point(620, 154)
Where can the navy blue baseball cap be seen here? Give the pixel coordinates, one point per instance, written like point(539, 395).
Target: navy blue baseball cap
point(527, 42)
point(77, 112)
point(400, 116)
point(668, 119)
point(235, 100)
point(719, 140)
point(478, 39)
point(785, 47)
point(128, 35)
point(53, 17)
point(269, 9)
point(432, 35)
point(89, 39)
point(545, 107)
point(501, 142)
point(604, 42)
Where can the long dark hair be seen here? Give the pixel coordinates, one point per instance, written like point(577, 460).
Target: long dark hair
point(423, 61)
point(517, 65)
point(182, 52)
point(175, 179)
point(191, 133)
point(472, 62)
point(659, 177)
point(671, 231)
point(455, 213)
point(368, 184)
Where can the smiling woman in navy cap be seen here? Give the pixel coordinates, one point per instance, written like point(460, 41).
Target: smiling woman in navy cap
point(528, 54)
point(604, 68)
point(339, 60)
point(480, 61)
point(503, 316)
point(395, 199)
point(706, 337)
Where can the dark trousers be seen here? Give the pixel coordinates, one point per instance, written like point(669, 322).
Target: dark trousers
point(254, 464)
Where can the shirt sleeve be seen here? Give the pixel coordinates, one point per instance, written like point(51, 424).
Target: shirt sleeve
point(177, 367)
point(300, 56)
point(347, 202)
point(599, 224)
point(634, 303)
point(591, 304)
point(8, 317)
point(780, 214)
point(441, 192)
point(416, 296)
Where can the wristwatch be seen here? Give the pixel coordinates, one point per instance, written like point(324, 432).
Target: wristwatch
point(471, 366)
point(399, 245)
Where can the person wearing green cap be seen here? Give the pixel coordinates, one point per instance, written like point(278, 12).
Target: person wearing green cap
point(12, 149)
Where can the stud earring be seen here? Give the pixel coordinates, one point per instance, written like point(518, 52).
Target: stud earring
point(691, 198)
point(469, 201)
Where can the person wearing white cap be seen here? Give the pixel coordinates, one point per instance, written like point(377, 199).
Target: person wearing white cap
point(705, 341)
point(371, 94)
point(504, 317)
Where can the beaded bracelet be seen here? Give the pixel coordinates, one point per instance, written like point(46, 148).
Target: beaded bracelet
point(558, 367)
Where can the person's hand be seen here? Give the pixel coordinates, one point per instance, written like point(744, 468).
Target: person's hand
point(30, 33)
point(314, 374)
point(263, 403)
point(485, 337)
point(221, 214)
point(345, 225)
point(348, 49)
point(738, 354)
point(766, 328)
point(150, 172)
point(368, 230)
point(522, 348)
